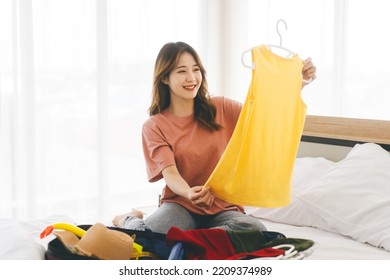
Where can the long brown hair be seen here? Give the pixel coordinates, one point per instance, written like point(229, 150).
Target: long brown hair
point(167, 59)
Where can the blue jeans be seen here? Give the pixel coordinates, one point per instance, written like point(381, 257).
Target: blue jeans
point(172, 214)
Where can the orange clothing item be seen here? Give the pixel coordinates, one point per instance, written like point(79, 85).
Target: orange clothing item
point(171, 140)
point(256, 167)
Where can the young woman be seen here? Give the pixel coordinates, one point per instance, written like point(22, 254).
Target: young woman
point(183, 141)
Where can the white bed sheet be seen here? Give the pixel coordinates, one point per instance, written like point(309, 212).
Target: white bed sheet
point(330, 245)
point(20, 239)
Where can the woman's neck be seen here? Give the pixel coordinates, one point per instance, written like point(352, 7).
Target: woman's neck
point(182, 108)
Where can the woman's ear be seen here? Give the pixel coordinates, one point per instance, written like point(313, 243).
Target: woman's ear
point(165, 81)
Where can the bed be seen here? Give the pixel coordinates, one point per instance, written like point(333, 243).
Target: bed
point(340, 196)
point(340, 190)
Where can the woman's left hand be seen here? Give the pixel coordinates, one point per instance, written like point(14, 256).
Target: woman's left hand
point(309, 71)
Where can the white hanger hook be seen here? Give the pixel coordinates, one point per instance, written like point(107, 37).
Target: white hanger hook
point(277, 28)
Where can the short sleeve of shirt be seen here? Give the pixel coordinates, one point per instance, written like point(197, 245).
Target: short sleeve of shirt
point(157, 152)
point(228, 112)
point(232, 110)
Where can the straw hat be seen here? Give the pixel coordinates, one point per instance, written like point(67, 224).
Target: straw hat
point(99, 242)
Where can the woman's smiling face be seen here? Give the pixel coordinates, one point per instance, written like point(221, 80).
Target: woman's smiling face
point(185, 79)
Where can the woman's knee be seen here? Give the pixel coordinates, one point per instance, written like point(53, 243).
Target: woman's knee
point(239, 221)
point(168, 215)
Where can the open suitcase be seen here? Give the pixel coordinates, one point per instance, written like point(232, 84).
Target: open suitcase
point(153, 246)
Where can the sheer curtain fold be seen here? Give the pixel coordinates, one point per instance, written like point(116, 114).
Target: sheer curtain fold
point(102, 102)
point(26, 157)
point(17, 121)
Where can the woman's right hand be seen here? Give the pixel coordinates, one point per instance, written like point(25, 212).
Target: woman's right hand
point(201, 196)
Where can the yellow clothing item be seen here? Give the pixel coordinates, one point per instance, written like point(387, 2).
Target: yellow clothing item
point(256, 166)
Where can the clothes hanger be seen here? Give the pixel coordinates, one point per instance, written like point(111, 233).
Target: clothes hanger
point(270, 46)
point(289, 53)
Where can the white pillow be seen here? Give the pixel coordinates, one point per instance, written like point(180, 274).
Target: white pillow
point(19, 239)
point(306, 171)
point(17, 243)
point(354, 195)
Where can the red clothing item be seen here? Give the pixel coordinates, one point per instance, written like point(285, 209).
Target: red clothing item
point(212, 244)
point(195, 151)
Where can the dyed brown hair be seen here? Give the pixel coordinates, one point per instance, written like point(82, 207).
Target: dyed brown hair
point(167, 59)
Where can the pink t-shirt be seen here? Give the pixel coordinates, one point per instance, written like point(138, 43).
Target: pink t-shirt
point(170, 140)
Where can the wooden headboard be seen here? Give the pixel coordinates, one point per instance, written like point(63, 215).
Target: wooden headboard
point(321, 132)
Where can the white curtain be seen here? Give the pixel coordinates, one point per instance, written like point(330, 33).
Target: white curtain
point(75, 83)
point(75, 86)
point(347, 40)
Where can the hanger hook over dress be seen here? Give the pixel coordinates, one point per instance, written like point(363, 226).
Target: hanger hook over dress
point(278, 31)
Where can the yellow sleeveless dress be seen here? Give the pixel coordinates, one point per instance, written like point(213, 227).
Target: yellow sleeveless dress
point(256, 166)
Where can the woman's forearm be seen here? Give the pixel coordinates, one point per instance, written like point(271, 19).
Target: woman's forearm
point(176, 182)
point(198, 195)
